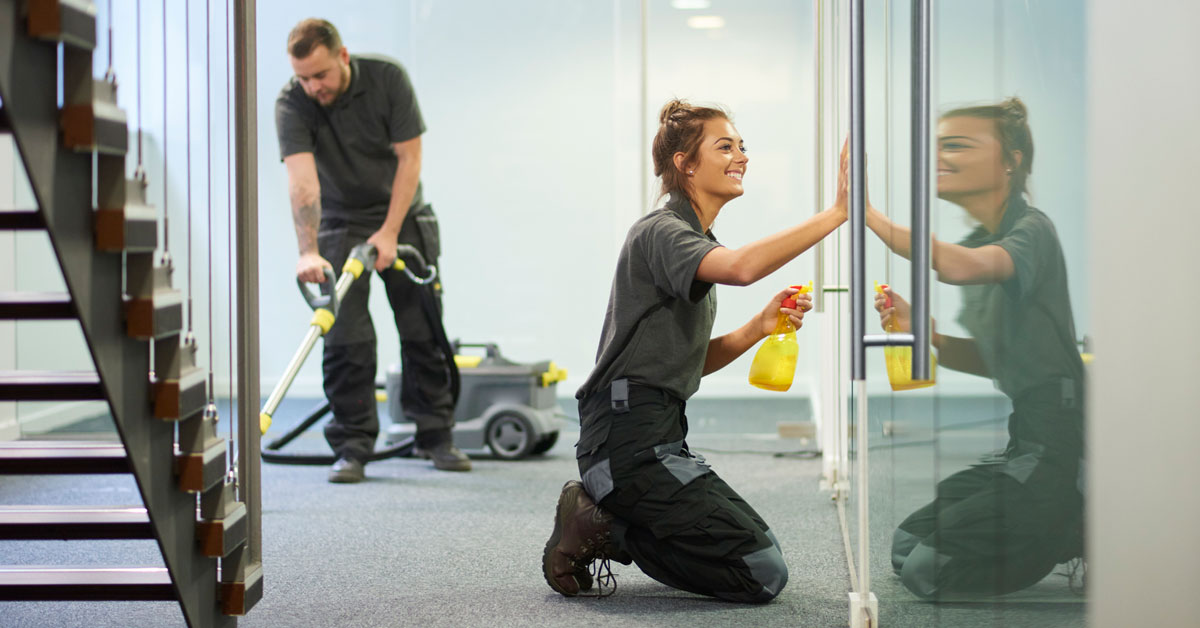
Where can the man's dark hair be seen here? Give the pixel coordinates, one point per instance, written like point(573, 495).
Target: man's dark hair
point(309, 34)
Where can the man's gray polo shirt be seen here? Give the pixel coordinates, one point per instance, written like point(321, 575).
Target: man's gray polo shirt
point(656, 275)
point(351, 140)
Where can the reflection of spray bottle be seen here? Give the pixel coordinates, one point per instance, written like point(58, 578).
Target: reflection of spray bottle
point(775, 362)
point(899, 359)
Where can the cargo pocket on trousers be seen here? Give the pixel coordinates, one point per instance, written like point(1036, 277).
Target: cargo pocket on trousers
point(594, 467)
point(427, 225)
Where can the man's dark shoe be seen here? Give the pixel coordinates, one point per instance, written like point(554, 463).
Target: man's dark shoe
point(445, 457)
point(346, 471)
point(582, 533)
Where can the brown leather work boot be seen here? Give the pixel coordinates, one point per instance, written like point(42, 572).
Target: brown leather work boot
point(582, 533)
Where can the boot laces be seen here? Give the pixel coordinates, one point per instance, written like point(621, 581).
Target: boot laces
point(599, 567)
point(603, 577)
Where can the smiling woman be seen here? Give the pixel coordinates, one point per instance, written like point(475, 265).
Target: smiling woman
point(644, 496)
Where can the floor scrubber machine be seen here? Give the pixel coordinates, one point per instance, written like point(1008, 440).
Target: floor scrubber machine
point(507, 407)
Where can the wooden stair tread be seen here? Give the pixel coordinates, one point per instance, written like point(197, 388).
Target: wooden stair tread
point(36, 305)
point(85, 583)
point(21, 220)
point(62, 457)
point(74, 522)
point(72, 22)
point(50, 386)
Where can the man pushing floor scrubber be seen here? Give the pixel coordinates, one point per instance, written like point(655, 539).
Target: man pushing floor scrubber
point(350, 136)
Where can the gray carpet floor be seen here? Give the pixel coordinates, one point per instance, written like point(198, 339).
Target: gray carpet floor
point(413, 546)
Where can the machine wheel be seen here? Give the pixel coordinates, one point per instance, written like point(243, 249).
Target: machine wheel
point(511, 436)
point(545, 444)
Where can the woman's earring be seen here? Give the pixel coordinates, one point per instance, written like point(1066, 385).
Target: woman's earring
point(694, 172)
point(1008, 170)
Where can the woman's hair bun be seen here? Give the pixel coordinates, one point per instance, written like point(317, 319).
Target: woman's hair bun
point(1015, 109)
point(670, 110)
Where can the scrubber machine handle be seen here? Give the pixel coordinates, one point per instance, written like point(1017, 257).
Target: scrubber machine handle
point(325, 309)
point(328, 297)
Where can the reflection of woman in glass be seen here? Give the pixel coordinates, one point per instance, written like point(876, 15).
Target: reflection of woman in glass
point(644, 496)
point(1003, 524)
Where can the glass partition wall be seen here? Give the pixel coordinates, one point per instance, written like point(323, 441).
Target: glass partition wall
point(971, 508)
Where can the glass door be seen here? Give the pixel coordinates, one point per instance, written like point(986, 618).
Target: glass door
point(964, 503)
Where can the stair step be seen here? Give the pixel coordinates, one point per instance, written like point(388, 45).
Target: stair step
point(182, 398)
point(29, 457)
point(98, 125)
point(219, 537)
point(50, 386)
point(21, 220)
point(159, 316)
point(73, 22)
point(201, 470)
point(36, 305)
point(85, 584)
point(49, 523)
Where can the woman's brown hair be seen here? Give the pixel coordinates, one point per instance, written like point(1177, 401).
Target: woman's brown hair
point(680, 130)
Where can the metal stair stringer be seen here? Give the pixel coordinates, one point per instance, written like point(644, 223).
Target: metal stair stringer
point(61, 183)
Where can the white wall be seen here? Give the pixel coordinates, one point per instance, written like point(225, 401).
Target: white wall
point(1144, 509)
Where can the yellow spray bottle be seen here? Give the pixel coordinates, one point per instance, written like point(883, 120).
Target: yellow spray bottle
point(899, 359)
point(775, 362)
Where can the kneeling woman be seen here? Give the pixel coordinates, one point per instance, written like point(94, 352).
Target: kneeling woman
point(645, 497)
point(1002, 524)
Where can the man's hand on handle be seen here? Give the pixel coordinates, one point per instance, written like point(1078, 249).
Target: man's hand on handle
point(384, 242)
point(310, 267)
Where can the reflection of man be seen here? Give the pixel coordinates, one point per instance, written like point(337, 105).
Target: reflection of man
point(350, 135)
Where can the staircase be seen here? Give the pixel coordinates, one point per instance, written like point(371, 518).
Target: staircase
point(189, 505)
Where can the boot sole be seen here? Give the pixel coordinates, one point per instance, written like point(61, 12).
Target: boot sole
point(555, 537)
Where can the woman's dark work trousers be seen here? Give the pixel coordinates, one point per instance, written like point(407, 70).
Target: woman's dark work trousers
point(681, 523)
point(1002, 525)
point(350, 363)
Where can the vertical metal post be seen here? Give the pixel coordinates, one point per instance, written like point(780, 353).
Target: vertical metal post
point(921, 132)
point(858, 188)
point(246, 155)
point(819, 152)
point(858, 214)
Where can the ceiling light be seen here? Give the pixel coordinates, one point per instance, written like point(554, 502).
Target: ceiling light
point(706, 21)
point(687, 5)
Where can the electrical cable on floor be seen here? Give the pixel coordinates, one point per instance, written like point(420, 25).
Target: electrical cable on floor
point(800, 453)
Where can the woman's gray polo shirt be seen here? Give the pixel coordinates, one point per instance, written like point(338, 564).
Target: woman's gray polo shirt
point(656, 281)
